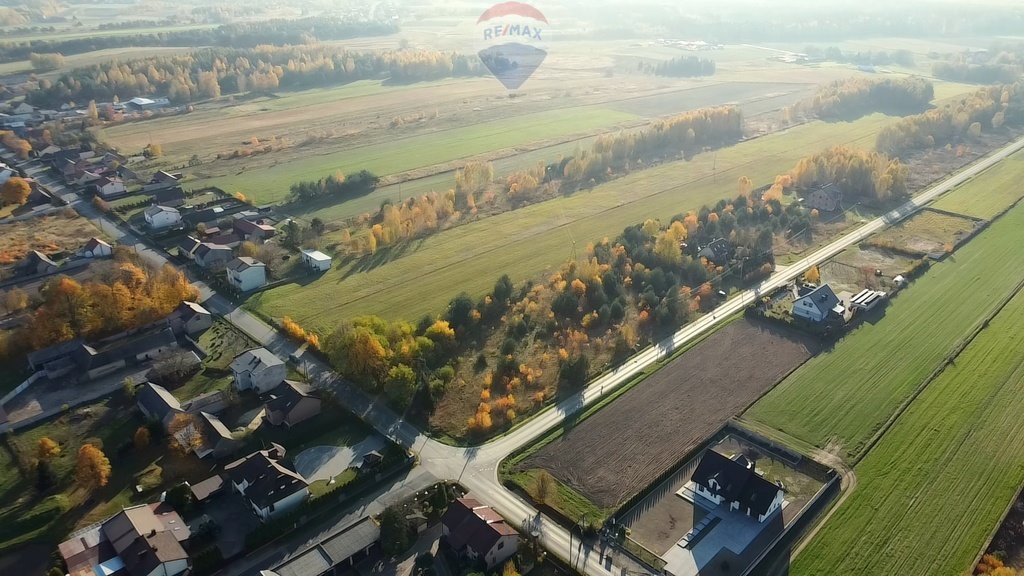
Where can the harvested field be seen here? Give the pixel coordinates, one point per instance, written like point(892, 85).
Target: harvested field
point(50, 235)
point(926, 232)
point(624, 447)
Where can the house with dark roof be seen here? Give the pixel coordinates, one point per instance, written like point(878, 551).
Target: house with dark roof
point(819, 305)
point(335, 554)
point(217, 439)
point(108, 187)
point(143, 540)
point(173, 197)
point(290, 403)
point(258, 369)
point(158, 404)
point(161, 180)
point(35, 263)
point(96, 248)
point(212, 256)
point(735, 483)
point(270, 487)
point(187, 247)
point(257, 231)
point(89, 362)
point(717, 251)
point(478, 533)
point(827, 198)
point(246, 274)
point(190, 318)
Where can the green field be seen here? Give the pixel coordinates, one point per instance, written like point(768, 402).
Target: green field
point(990, 193)
point(74, 34)
point(931, 491)
point(845, 395)
point(424, 276)
point(270, 184)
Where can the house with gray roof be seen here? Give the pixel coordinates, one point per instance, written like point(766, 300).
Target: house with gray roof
point(270, 487)
point(819, 305)
point(258, 369)
point(291, 403)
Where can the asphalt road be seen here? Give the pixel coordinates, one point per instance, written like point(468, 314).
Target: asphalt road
point(476, 468)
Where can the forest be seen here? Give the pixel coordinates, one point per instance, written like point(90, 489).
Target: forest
point(986, 109)
point(681, 67)
point(237, 35)
point(124, 295)
point(212, 72)
point(855, 97)
point(865, 58)
point(867, 177)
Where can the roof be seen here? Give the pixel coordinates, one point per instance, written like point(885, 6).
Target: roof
point(250, 360)
point(203, 490)
point(286, 396)
point(867, 297)
point(830, 190)
point(187, 245)
point(205, 248)
point(268, 480)
point(140, 101)
point(351, 540)
point(248, 227)
point(187, 310)
point(169, 195)
point(214, 427)
point(95, 243)
point(316, 256)
point(34, 257)
point(472, 524)
point(157, 400)
point(717, 250)
point(737, 482)
point(223, 239)
point(312, 562)
point(243, 263)
point(145, 536)
point(156, 209)
point(54, 352)
point(823, 298)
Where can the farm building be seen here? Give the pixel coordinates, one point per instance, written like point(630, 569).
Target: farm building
point(827, 198)
point(818, 305)
point(867, 299)
point(735, 482)
point(316, 260)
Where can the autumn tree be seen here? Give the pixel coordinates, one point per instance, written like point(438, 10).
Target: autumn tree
point(141, 438)
point(153, 150)
point(91, 112)
point(16, 191)
point(509, 569)
point(249, 249)
point(46, 62)
point(543, 487)
point(93, 468)
point(812, 275)
point(15, 299)
point(184, 434)
point(47, 449)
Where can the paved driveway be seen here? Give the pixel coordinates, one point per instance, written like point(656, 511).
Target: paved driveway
point(326, 462)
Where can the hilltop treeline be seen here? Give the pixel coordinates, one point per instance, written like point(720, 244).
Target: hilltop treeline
point(865, 58)
point(861, 175)
point(855, 97)
point(988, 108)
point(213, 72)
point(681, 67)
point(975, 73)
point(240, 35)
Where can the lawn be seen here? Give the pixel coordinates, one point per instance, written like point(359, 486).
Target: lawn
point(990, 193)
point(222, 342)
point(270, 184)
point(423, 276)
point(932, 490)
point(842, 397)
point(923, 233)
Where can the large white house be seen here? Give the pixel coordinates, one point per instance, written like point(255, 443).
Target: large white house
point(258, 369)
point(818, 305)
point(270, 488)
point(162, 217)
point(316, 260)
point(735, 483)
point(245, 273)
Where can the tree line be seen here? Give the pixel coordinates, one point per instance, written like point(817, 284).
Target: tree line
point(865, 58)
point(855, 97)
point(986, 109)
point(212, 72)
point(680, 67)
point(338, 187)
point(862, 175)
point(236, 35)
point(124, 295)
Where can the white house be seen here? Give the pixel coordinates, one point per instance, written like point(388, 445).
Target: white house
point(109, 187)
point(159, 217)
point(735, 482)
point(270, 488)
point(96, 248)
point(258, 369)
point(818, 305)
point(478, 532)
point(245, 273)
point(316, 260)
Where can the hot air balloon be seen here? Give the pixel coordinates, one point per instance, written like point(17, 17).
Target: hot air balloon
point(512, 38)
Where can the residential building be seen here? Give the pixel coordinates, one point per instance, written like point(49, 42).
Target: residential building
point(158, 404)
point(187, 247)
point(254, 231)
point(246, 274)
point(159, 217)
point(271, 488)
point(316, 260)
point(96, 248)
point(335, 554)
point(212, 256)
point(143, 540)
point(161, 180)
point(190, 318)
point(258, 369)
point(818, 305)
point(717, 251)
point(87, 362)
point(173, 197)
point(35, 263)
point(291, 403)
point(6, 173)
point(229, 240)
point(478, 533)
point(217, 439)
point(735, 483)
point(827, 198)
point(109, 187)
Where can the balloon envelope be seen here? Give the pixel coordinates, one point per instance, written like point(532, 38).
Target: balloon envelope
point(512, 63)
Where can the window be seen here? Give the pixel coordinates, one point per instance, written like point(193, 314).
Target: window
point(501, 545)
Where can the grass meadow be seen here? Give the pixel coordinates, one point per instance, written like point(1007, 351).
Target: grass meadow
point(990, 193)
point(421, 277)
point(931, 490)
point(843, 396)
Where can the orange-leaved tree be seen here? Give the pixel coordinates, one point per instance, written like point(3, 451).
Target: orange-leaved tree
point(93, 468)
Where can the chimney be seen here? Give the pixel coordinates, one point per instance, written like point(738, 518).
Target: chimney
point(152, 533)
